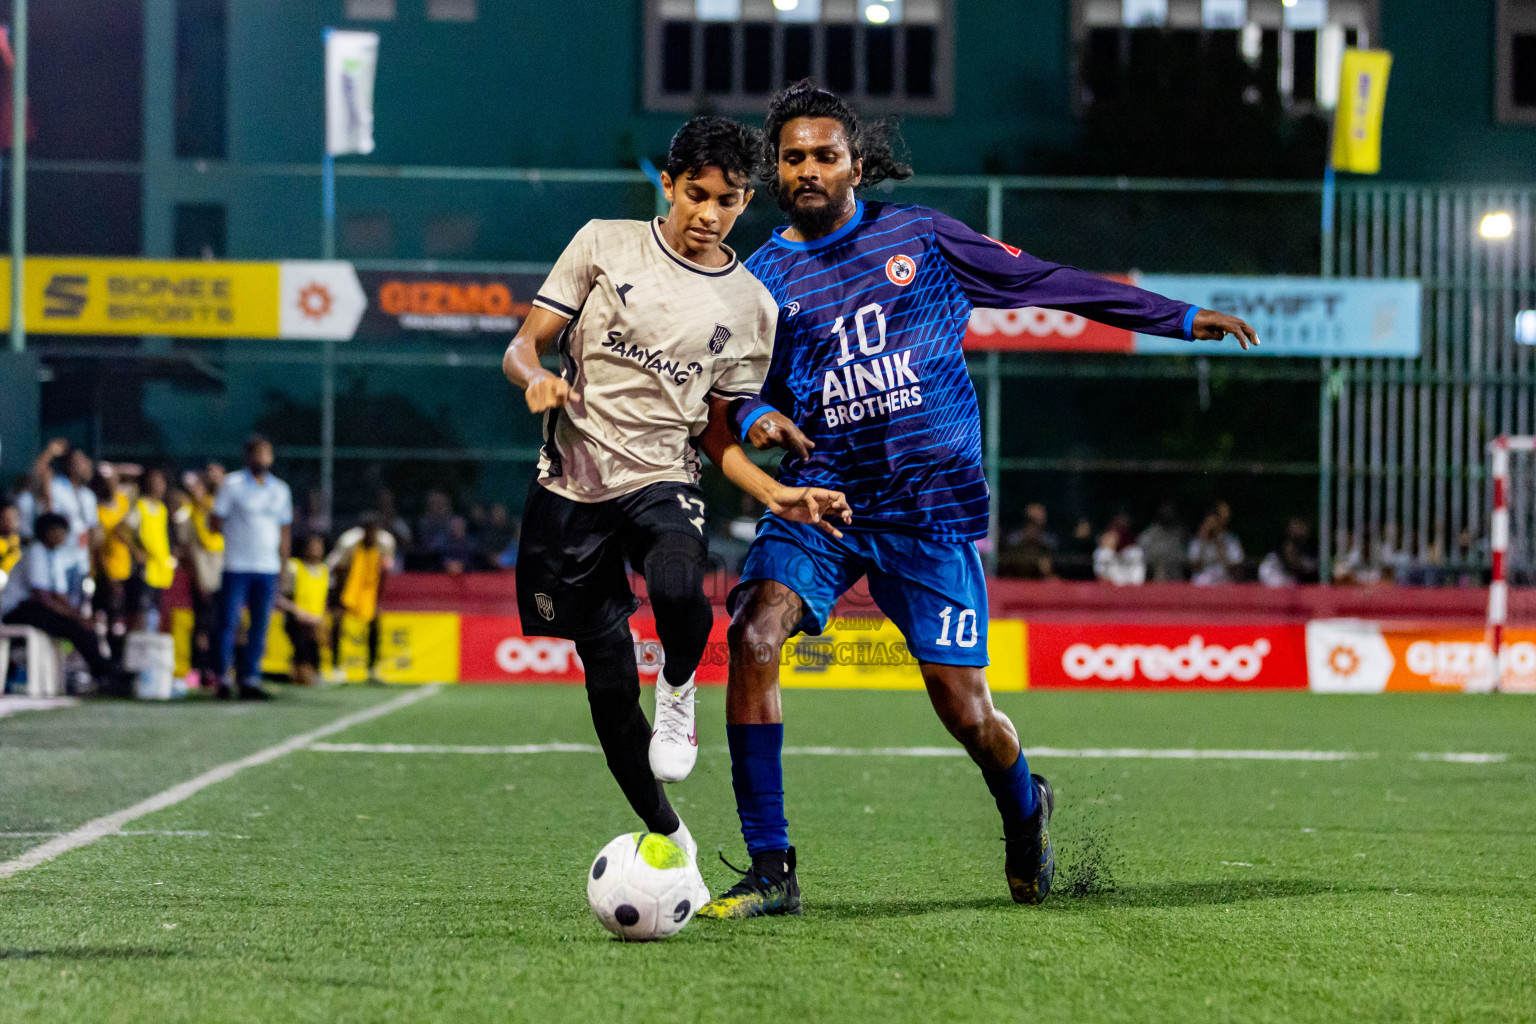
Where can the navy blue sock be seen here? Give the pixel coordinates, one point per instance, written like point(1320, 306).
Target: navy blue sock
point(757, 775)
point(1015, 793)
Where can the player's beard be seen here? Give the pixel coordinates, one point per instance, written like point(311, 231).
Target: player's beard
point(817, 219)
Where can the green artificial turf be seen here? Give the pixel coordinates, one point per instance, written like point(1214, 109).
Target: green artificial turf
point(330, 886)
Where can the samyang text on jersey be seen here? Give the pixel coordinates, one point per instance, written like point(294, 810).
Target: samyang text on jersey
point(868, 361)
point(651, 337)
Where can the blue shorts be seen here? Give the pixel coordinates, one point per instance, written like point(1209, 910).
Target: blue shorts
point(934, 591)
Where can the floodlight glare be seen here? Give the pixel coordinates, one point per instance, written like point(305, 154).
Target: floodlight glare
point(877, 14)
point(1289, 3)
point(1525, 327)
point(786, 5)
point(1497, 225)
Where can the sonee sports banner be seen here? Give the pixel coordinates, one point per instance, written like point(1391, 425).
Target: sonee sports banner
point(302, 300)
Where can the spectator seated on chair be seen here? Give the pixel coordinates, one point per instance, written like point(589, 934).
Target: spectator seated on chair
point(10, 540)
point(37, 595)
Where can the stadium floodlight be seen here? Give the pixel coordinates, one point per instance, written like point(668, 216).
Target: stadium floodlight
point(798, 10)
point(1497, 226)
point(882, 12)
point(717, 10)
point(1525, 327)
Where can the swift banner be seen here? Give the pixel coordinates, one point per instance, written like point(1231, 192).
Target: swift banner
point(1298, 316)
point(299, 300)
point(400, 303)
point(1295, 316)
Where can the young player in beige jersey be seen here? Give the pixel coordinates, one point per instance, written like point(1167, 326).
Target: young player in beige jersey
point(658, 328)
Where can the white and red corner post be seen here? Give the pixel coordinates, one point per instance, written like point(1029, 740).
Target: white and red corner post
point(1498, 543)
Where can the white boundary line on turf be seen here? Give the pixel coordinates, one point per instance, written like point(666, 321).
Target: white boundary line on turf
point(1177, 754)
point(1463, 758)
point(112, 824)
point(431, 748)
point(13, 705)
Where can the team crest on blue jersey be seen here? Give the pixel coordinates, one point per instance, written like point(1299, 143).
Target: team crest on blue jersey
point(722, 335)
point(901, 269)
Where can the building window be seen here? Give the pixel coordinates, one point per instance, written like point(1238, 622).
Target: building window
point(370, 10)
point(453, 10)
point(1516, 64)
point(1259, 51)
point(450, 235)
point(367, 234)
point(885, 55)
point(202, 93)
point(200, 231)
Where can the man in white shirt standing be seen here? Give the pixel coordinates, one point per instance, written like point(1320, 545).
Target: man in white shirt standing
point(254, 511)
point(69, 494)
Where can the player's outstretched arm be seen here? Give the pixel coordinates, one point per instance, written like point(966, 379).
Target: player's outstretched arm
point(542, 389)
point(1210, 325)
point(815, 505)
point(995, 275)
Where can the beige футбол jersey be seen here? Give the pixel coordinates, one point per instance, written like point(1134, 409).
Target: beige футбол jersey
point(651, 336)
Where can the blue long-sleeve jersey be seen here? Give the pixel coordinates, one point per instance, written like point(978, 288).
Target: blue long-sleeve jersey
point(868, 361)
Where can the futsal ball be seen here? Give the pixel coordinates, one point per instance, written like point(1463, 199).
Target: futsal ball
point(641, 887)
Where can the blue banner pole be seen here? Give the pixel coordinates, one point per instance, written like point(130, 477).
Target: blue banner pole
point(328, 348)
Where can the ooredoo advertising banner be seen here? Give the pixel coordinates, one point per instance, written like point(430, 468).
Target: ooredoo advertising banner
point(493, 649)
point(1042, 330)
point(1132, 656)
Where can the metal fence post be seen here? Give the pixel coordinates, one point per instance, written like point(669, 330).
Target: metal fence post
point(992, 458)
point(19, 180)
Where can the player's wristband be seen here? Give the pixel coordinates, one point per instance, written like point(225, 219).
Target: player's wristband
point(752, 417)
point(745, 411)
point(1189, 323)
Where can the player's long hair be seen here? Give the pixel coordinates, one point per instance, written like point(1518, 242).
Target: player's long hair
point(875, 142)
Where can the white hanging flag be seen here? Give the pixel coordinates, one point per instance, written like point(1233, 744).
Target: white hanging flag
point(350, 61)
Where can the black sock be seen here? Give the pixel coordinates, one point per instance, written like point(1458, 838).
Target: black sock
point(613, 691)
point(674, 581)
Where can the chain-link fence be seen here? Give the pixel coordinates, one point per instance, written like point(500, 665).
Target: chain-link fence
point(1090, 435)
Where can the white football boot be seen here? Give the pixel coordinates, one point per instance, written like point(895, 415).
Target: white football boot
point(674, 737)
point(682, 837)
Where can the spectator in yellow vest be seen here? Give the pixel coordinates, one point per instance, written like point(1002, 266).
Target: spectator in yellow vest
point(10, 539)
point(366, 566)
point(114, 555)
point(203, 547)
point(306, 581)
point(150, 522)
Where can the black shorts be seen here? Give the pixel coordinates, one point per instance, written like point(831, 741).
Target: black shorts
point(570, 556)
point(306, 644)
point(140, 597)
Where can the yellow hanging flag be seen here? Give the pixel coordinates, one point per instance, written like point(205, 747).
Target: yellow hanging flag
point(1357, 122)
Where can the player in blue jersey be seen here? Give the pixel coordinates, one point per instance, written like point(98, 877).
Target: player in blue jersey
point(868, 390)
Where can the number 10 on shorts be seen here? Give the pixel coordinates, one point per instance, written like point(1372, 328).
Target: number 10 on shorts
point(964, 625)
